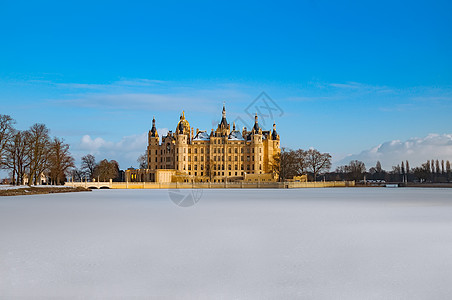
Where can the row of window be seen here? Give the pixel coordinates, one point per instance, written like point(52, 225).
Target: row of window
point(215, 150)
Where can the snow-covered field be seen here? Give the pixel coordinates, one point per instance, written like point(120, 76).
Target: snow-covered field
point(349, 243)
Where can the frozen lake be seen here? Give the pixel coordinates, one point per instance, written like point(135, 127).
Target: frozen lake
point(348, 243)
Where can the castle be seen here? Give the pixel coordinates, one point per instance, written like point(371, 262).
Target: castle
point(223, 155)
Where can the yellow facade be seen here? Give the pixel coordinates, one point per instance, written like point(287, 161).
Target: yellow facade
point(223, 155)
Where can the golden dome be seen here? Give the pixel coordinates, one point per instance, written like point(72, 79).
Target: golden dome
point(183, 127)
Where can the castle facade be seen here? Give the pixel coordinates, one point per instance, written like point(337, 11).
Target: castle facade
point(223, 155)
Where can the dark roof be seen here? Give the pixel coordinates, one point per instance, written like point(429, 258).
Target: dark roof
point(274, 135)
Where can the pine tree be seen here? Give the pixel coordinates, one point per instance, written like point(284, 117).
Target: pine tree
point(448, 169)
point(403, 172)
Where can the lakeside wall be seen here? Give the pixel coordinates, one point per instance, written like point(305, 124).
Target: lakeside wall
point(209, 185)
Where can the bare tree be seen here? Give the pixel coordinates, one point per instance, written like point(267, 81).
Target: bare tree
point(18, 156)
point(317, 162)
point(88, 165)
point(300, 161)
point(106, 170)
point(60, 160)
point(77, 174)
point(39, 149)
point(356, 170)
point(143, 160)
point(284, 164)
point(6, 134)
point(423, 172)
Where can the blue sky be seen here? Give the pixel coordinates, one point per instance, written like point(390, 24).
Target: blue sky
point(348, 76)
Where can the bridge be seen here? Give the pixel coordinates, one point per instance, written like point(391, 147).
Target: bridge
point(91, 185)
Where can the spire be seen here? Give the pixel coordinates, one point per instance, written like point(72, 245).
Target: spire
point(223, 119)
point(153, 129)
point(233, 125)
point(183, 115)
point(274, 133)
point(256, 125)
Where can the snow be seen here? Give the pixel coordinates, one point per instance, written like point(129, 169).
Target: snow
point(348, 243)
point(235, 136)
point(202, 136)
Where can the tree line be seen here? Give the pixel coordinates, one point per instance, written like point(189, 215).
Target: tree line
point(435, 171)
point(26, 154)
point(289, 163)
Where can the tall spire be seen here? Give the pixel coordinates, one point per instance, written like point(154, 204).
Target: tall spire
point(224, 122)
point(256, 125)
point(153, 129)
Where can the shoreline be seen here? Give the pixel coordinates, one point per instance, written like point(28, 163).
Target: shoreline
point(31, 190)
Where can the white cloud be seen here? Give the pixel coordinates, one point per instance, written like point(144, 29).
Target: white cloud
point(415, 150)
point(162, 131)
point(125, 151)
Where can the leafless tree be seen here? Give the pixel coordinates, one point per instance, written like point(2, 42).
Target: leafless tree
point(300, 161)
point(423, 172)
point(356, 170)
point(39, 143)
point(284, 164)
point(77, 174)
point(106, 170)
point(143, 160)
point(317, 162)
point(60, 160)
point(18, 156)
point(88, 165)
point(6, 134)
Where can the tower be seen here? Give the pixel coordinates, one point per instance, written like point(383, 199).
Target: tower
point(153, 147)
